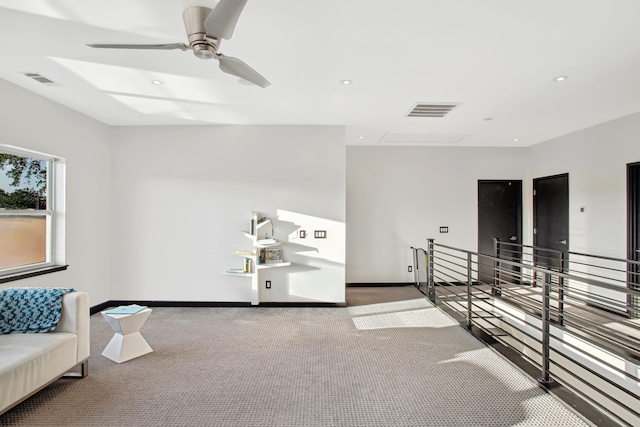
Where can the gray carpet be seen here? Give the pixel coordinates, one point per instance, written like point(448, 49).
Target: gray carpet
point(392, 364)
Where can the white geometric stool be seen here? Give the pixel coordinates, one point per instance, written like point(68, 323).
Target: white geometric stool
point(127, 342)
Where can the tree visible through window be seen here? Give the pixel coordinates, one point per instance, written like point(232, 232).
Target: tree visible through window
point(25, 212)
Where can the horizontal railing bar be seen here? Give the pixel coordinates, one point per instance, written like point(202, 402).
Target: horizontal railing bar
point(587, 306)
point(555, 337)
point(592, 335)
point(608, 365)
point(577, 289)
point(526, 308)
point(603, 315)
point(569, 252)
point(442, 261)
point(535, 311)
point(490, 321)
point(558, 274)
point(445, 281)
point(448, 256)
point(533, 349)
point(512, 337)
point(589, 398)
point(625, 340)
point(459, 276)
point(581, 305)
point(585, 274)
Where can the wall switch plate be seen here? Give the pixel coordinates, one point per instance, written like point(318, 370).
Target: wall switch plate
point(303, 234)
point(268, 284)
point(320, 234)
point(410, 269)
point(444, 229)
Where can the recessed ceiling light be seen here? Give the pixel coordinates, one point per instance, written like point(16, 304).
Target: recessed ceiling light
point(361, 137)
point(561, 78)
point(346, 82)
point(515, 139)
point(157, 82)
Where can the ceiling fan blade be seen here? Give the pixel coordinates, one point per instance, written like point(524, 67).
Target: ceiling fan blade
point(180, 46)
point(222, 20)
point(236, 67)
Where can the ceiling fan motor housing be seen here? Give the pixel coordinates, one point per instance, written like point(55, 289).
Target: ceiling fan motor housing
point(203, 47)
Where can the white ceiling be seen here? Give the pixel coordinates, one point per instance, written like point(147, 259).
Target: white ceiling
point(496, 58)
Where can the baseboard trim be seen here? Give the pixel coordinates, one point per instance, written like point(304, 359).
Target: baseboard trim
point(303, 304)
point(374, 284)
point(115, 303)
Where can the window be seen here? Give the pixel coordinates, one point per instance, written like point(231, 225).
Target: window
point(27, 210)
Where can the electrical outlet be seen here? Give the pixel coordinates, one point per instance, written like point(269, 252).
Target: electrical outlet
point(410, 269)
point(268, 284)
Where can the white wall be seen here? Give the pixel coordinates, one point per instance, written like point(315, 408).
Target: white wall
point(213, 177)
point(182, 194)
point(397, 197)
point(596, 160)
point(33, 122)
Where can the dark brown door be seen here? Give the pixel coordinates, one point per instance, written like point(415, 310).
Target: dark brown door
point(551, 219)
point(633, 230)
point(499, 216)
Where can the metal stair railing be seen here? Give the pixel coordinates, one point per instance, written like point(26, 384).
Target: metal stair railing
point(573, 316)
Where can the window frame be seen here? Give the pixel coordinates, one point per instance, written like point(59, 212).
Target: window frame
point(50, 213)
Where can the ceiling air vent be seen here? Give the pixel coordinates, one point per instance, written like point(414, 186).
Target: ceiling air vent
point(437, 110)
point(42, 79)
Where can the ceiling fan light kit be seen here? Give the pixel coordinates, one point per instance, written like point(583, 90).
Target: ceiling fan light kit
point(207, 23)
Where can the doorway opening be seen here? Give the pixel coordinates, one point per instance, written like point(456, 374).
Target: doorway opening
point(499, 216)
point(551, 220)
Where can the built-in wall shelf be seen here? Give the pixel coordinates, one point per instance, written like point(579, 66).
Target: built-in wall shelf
point(257, 259)
point(274, 265)
point(230, 273)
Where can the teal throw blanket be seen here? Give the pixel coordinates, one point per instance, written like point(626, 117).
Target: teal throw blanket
point(33, 310)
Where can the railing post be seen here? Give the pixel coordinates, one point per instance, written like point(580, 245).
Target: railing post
point(469, 282)
point(545, 328)
point(561, 289)
point(495, 290)
point(431, 292)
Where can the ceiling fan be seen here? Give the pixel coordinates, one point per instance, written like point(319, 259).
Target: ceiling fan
point(206, 26)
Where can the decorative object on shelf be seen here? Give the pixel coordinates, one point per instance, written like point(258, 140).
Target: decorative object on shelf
point(267, 242)
point(254, 222)
point(273, 254)
point(248, 267)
